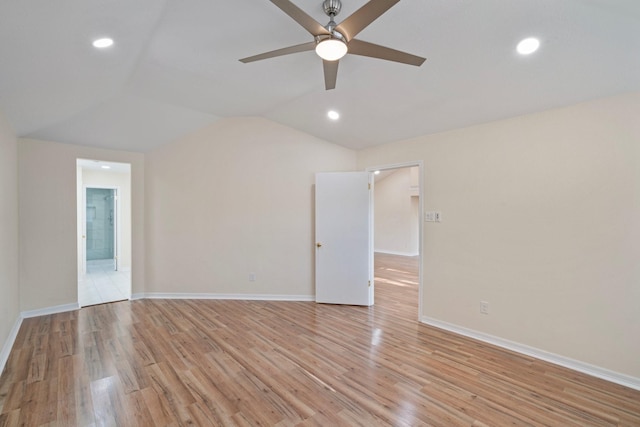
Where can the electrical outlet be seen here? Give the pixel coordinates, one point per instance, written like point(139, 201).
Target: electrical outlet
point(437, 216)
point(252, 277)
point(484, 307)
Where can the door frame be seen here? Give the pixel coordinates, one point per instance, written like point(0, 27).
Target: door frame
point(420, 165)
point(116, 226)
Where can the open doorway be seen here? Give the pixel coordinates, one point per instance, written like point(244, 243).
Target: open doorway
point(397, 231)
point(104, 231)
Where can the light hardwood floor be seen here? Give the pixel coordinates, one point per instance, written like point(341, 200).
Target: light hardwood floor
point(249, 363)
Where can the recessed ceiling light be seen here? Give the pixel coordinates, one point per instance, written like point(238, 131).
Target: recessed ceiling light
point(376, 173)
point(333, 115)
point(106, 167)
point(528, 46)
point(102, 43)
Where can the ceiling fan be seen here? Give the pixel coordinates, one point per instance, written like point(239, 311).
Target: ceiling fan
point(333, 41)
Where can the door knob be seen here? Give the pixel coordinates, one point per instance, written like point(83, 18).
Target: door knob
point(319, 245)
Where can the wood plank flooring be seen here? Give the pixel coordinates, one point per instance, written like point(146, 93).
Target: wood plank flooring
point(252, 363)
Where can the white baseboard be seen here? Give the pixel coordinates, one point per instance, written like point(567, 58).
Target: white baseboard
point(396, 253)
point(50, 310)
point(246, 297)
point(576, 365)
point(8, 344)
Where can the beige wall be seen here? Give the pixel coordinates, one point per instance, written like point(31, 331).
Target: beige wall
point(541, 218)
point(9, 291)
point(48, 224)
point(396, 213)
point(122, 180)
point(232, 199)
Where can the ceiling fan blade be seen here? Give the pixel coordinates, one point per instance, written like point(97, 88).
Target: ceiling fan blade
point(301, 17)
point(364, 16)
point(330, 74)
point(280, 52)
point(359, 47)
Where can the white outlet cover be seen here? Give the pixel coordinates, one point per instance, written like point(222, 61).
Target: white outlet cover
point(484, 307)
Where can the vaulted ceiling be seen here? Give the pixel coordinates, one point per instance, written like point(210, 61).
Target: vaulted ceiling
point(174, 67)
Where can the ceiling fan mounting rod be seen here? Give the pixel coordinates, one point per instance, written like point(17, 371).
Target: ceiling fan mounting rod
point(332, 8)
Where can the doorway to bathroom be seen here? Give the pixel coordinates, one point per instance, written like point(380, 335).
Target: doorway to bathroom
point(104, 232)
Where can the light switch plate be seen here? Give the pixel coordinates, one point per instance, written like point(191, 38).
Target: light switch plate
point(433, 216)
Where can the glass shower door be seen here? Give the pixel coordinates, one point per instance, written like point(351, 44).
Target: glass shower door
point(101, 225)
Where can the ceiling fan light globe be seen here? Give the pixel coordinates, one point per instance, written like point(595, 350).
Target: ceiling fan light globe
point(331, 49)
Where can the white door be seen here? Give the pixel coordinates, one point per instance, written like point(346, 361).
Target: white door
point(344, 267)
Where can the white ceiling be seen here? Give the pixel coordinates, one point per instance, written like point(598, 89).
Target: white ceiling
point(174, 67)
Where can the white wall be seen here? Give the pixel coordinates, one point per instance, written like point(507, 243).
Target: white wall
point(48, 220)
point(122, 180)
point(9, 290)
point(232, 199)
point(396, 213)
point(541, 218)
